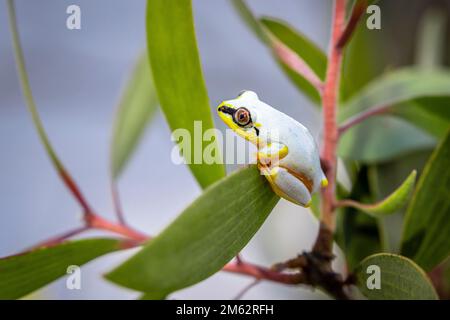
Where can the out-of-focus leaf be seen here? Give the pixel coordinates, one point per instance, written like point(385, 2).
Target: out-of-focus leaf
point(364, 46)
point(267, 27)
point(394, 202)
point(399, 279)
point(396, 87)
point(427, 221)
point(428, 119)
point(315, 205)
point(203, 238)
point(247, 16)
point(431, 39)
point(178, 78)
point(387, 176)
point(357, 234)
point(305, 48)
point(151, 296)
point(137, 107)
point(382, 138)
point(24, 273)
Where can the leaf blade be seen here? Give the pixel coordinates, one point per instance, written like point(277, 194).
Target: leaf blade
point(204, 237)
point(314, 57)
point(427, 221)
point(396, 87)
point(392, 203)
point(270, 30)
point(400, 278)
point(137, 107)
point(177, 74)
point(25, 273)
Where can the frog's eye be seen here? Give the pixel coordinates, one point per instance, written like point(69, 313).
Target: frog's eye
point(242, 117)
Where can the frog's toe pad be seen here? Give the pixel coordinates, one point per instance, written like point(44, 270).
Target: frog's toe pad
point(324, 183)
point(289, 187)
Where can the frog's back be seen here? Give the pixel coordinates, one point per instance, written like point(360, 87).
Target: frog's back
point(303, 153)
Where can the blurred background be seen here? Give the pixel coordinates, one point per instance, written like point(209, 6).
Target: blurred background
point(77, 77)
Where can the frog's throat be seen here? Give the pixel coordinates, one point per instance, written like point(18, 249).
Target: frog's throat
point(249, 135)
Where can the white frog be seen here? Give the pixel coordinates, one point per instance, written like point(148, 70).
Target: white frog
point(287, 153)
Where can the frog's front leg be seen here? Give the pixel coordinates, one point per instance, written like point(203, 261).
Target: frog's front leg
point(287, 186)
point(271, 154)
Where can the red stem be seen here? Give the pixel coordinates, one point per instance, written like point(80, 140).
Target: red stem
point(361, 117)
point(58, 239)
point(296, 63)
point(98, 222)
point(358, 10)
point(117, 204)
point(260, 272)
point(329, 101)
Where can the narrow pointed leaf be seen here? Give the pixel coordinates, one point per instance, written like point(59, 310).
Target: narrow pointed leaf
point(427, 221)
point(399, 279)
point(427, 91)
point(314, 57)
point(177, 73)
point(381, 139)
point(203, 238)
point(137, 107)
point(27, 272)
point(391, 204)
point(269, 29)
point(399, 86)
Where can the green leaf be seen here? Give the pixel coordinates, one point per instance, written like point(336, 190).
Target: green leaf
point(382, 138)
point(252, 22)
point(431, 38)
point(396, 87)
point(315, 205)
point(357, 234)
point(137, 107)
point(294, 40)
point(177, 73)
point(391, 204)
point(400, 279)
point(385, 177)
point(427, 221)
point(424, 115)
point(303, 47)
point(203, 238)
point(24, 273)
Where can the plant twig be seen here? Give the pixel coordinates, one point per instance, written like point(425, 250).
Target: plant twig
point(361, 117)
point(296, 63)
point(31, 105)
point(246, 289)
point(358, 10)
point(329, 102)
point(117, 203)
point(264, 273)
point(60, 238)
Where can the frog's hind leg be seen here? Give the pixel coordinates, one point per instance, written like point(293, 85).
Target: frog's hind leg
point(287, 185)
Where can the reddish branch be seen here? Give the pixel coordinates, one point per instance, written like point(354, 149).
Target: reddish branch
point(296, 63)
point(358, 10)
point(361, 117)
point(329, 101)
point(310, 268)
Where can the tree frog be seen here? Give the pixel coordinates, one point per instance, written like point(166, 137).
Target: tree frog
point(287, 154)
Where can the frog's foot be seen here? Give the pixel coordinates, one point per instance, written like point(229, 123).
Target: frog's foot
point(287, 186)
point(272, 154)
